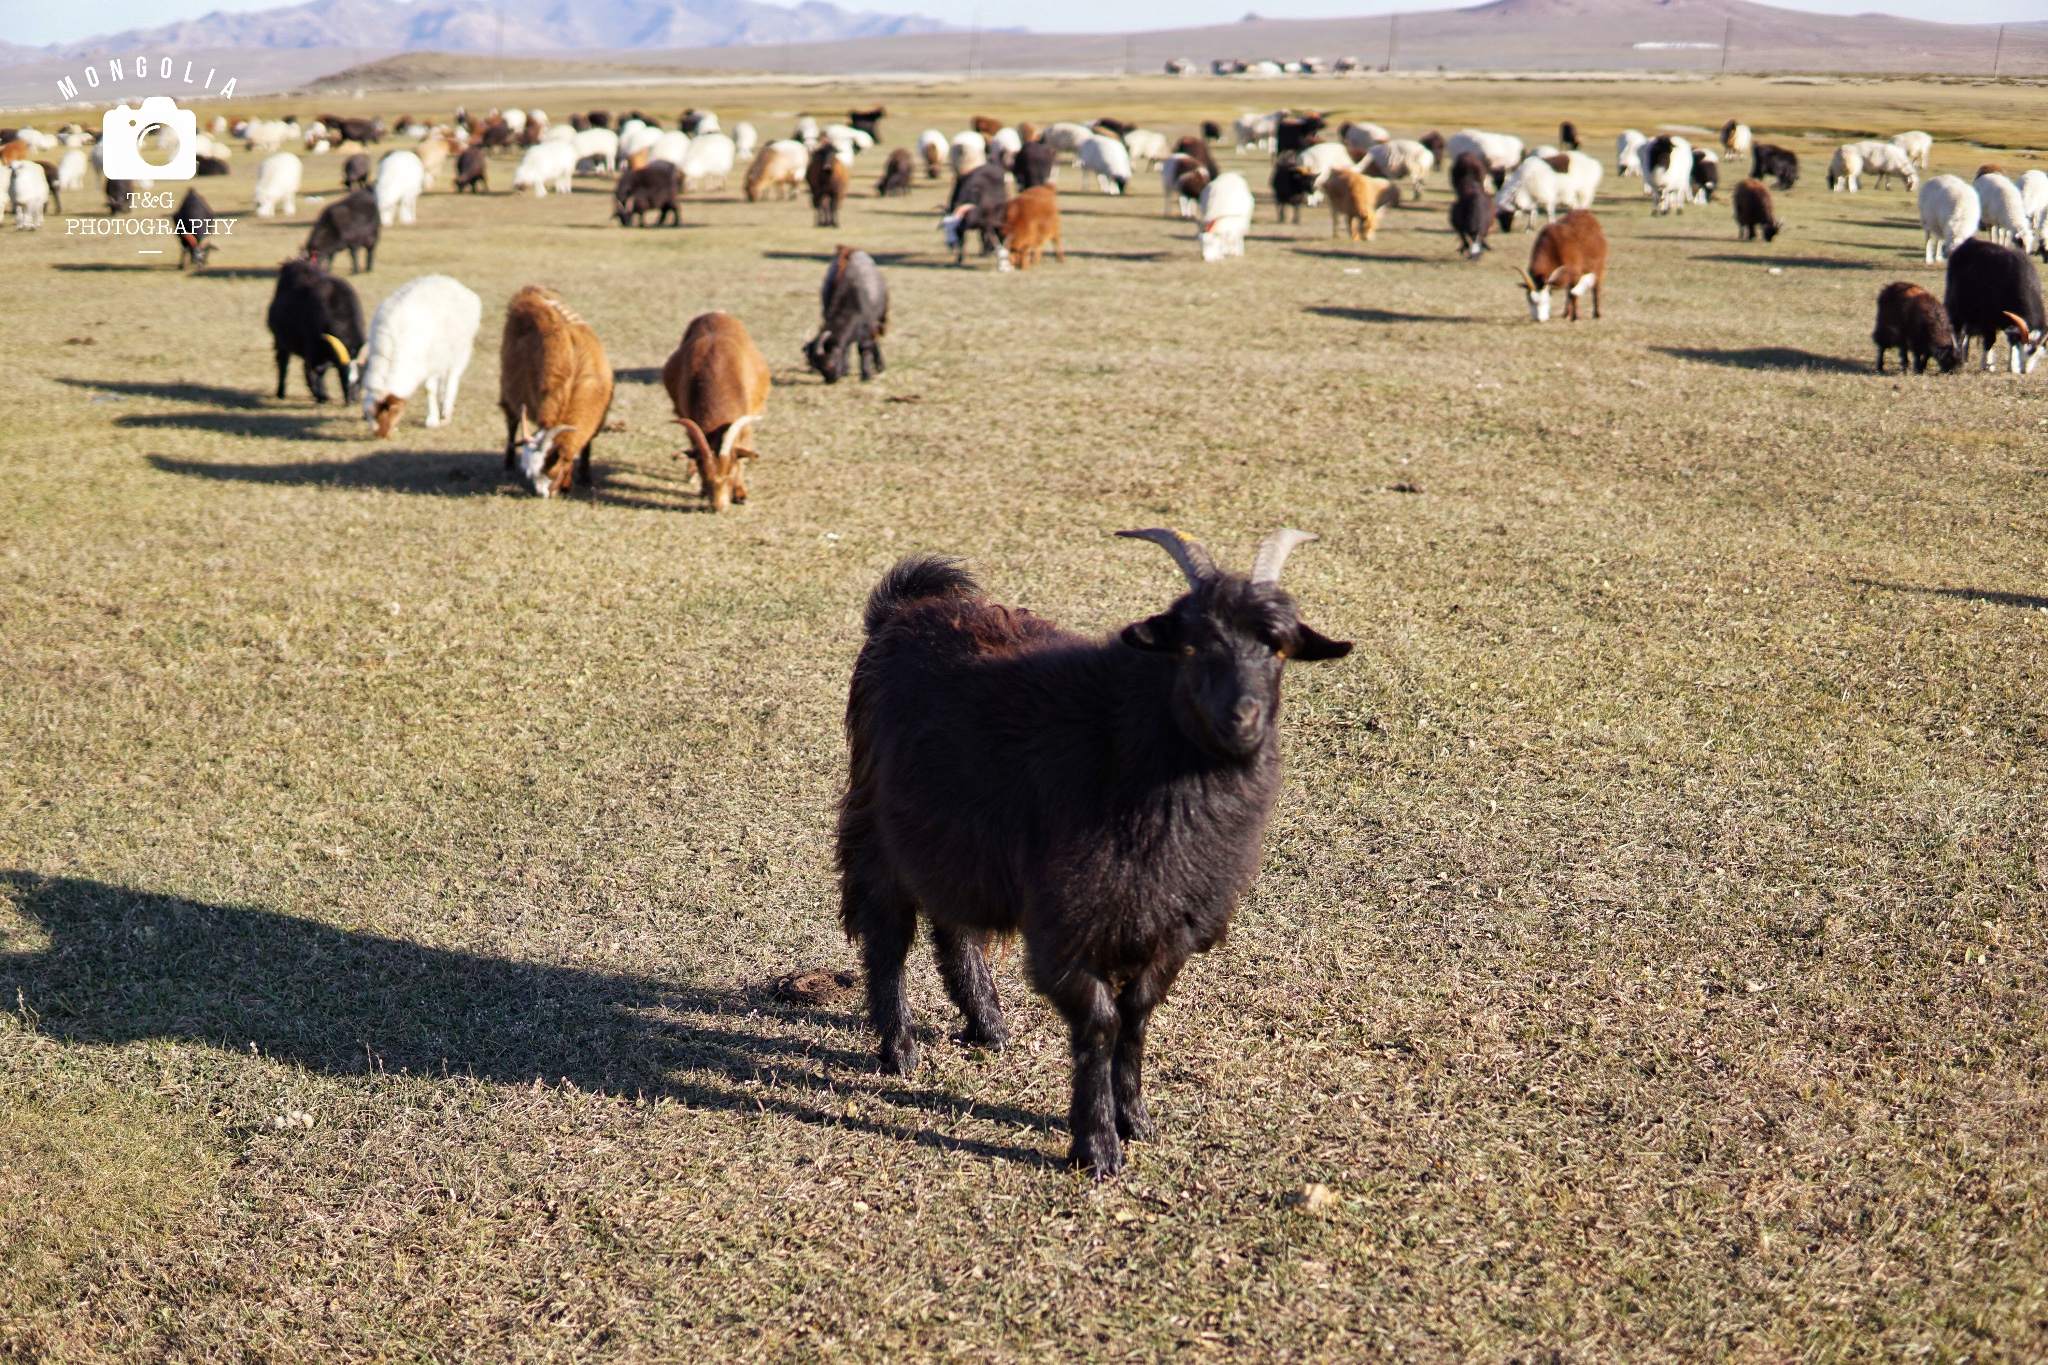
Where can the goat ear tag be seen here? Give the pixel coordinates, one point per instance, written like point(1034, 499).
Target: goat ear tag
point(1312, 646)
point(1156, 634)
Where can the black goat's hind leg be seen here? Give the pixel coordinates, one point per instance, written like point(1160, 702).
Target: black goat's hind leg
point(1134, 1012)
point(964, 969)
point(1091, 1015)
point(886, 923)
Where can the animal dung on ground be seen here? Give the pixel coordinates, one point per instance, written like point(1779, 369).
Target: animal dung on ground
point(819, 986)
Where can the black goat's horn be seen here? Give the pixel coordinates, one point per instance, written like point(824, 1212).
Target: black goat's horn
point(1194, 561)
point(1273, 552)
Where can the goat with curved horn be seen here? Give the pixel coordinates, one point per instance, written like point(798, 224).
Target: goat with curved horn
point(1273, 552)
point(1194, 561)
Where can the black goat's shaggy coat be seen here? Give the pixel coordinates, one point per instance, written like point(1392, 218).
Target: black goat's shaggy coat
point(1912, 321)
point(309, 306)
point(1033, 165)
point(1989, 286)
point(1292, 185)
point(855, 301)
point(1107, 799)
point(350, 223)
point(1769, 159)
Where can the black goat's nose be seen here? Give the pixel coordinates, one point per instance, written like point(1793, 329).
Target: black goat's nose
point(1246, 714)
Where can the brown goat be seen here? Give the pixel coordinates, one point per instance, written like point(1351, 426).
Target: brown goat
point(1570, 254)
point(827, 176)
point(989, 127)
point(775, 167)
point(1355, 199)
point(1032, 219)
point(1912, 321)
point(552, 370)
point(717, 380)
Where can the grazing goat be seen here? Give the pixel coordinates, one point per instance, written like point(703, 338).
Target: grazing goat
point(980, 202)
point(827, 177)
point(352, 223)
point(1355, 202)
point(1778, 162)
point(1197, 151)
point(421, 334)
point(1628, 153)
point(1706, 178)
point(1034, 164)
point(1754, 211)
point(931, 144)
point(555, 389)
point(1292, 184)
point(545, 164)
point(1106, 157)
point(1884, 161)
point(1500, 151)
point(316, 317)
point(868, 121)
point(1667, 172)
point(1994, 290)
point(897, 174)
point(472, 171)
point(1147, 146)
point(648, 189)
point(1950, 214)
point(779, 166)
point(400, 179)
point(1916, 145)
point(597, 145)
point(1570, 254)
point(1400, 159)
point(708, 161)
point(1472, 215)
point(1361, 138)
point(717, 381)
point(192, 224)
point(28, 192)
point(1568, 135)
point(1533, 185)
point(1030, 220)
point(355, 172)
point(1735, 138)
point(2004, 211)
point(1223, 215)
point(1107, 800)
point(1913, 321)
point(855, 303)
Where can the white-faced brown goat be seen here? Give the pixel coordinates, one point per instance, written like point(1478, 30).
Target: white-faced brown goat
point(555, 389)
point(717, 381)
point(1105, 799)
point(1570, 254)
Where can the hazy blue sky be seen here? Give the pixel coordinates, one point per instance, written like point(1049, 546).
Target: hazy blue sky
point(38, 21)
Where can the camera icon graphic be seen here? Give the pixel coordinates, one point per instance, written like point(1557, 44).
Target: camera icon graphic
point(122, 130)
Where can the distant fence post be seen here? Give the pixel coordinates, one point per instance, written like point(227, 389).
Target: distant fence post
point(1726, 34)
point(1393, 31)
point(1998, 52)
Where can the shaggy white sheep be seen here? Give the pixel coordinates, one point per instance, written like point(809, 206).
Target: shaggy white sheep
point(1225, 215)
point(1949, 214)
point(422, 334)
point(548, 162)
point(277, 184)
point(400, 178)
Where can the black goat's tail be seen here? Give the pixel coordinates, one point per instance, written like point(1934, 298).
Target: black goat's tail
point(917, 579)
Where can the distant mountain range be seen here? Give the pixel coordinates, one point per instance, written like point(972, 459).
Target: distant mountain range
point(484, 26)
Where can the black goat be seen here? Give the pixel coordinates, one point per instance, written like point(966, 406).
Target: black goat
point(1292, 185)
point(897, 174)
point(648, 189)
point(599, 118)
point(868, 121)
point(1470, 169)
point(119, 196)
point(1767, 158)
point(1435, 142)
point(354, 129)
point(1994, 289)
point(1212, 131)
point(1472, 215)
point(1198, 151)
point(316, 317)
point(192, 224)
point(355, 172)
point(1912, 321)
point(1754, 211)
point(855, 301)
point(472, 171)
point(1706, 177)
point(1034, 164)
point(1568, 136)
point(1296, 134)
point(349, 222)
point(978, 202)
point(1107, 799)
point(204, 165)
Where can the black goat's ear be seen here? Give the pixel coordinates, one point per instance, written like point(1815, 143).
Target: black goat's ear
point(1160, 634)
point(1312, 646)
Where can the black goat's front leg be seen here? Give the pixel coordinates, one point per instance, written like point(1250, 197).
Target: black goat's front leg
point(1092, 1020)
point(1134, 1019)
point(964, 969)
point(870, 360)
point(886, 923)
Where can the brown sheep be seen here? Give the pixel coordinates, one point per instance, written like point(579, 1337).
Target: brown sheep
point(552, 370)
point(1031, 220)
point(1357, 199)
point(827, 176)
point(717, 380)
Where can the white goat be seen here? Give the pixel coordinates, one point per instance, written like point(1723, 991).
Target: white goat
point(600, 146)
point(421, 334)
point(1255, 132)
point(546, 163)
point(708, 162)
point(968, 150)
point(1533, 185)
point(1628, 153)
point(1844, 167)
point(1501, 152)
point(671, 147)
point(1582, 176)
point(744, 141)
point(71, 169)
point(1949, 214)
point(2003, 211)
point(1225, 215)
point(277, 184)
point(1917, 145)
point(1884, 161)
point(1146, 146)
point(28, 191)
point(2034, 200)
point(1400, 159)
point(400, 178)
point(1106, 157)
point(1361, 138)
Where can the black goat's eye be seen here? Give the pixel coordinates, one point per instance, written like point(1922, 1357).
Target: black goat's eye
point(1187, 651)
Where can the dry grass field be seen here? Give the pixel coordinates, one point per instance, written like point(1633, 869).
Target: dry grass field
point(1649, 955)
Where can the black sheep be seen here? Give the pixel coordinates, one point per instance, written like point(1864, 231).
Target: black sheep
point(355, 172)
point(1912, 321)
point(1470, 168)
point(1472, 215)
point(1212, 131)
point(1107, 799)
point(193, 225)
point(1769, 159)
point(472, 171)
point(1568, 136)
point(349, 222)
point(978, 202)
point(1994, 290)
point(316, 317)
point(868, 121)
point(897, 174)
point(1292, 185)
point(647, 189)
point(1034, 164)
point(855, 301)
point(1754, 211)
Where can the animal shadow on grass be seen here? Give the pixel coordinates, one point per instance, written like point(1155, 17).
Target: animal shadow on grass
point(646, 374)
point(1361, 253)
point(2024, 601)
point(270, 426)
point(1764, 358)
point(106, 268)
point(1796, 262)
point(125, 964)
point(236, 272)
point(1383, 315)
point(399, 471)
point(213, 395)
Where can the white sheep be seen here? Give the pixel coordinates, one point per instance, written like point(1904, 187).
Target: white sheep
point(277, 184)
point(744, 141)
point(1400, 159)
point(1917, 145)
point(546, 163)
point(1533, 185)
point(1844, 167)
point(637, 137)
point(267, 135)
point(1884, 161)
point(2034, 200)
point(968, 150)
point(1106, 157)
point(672, 147)
point(1628, 153)
point(1736, 139)
point(1255, 132)
point(708, 163)
point(2003, 211)
point(1501, 152)
point(1006, 140)
point(807, 132)
point(1066, 137)
point(1949, 214)
point(599, 146)
point(1361, 138)
point(707, 122)
point(1147, 147)
point(28, 191)
point(422, 334)
point(1225, 215)
point(71, 169)
point(400, 178)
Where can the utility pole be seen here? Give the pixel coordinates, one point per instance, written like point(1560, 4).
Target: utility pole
point(1998, 52)
point(1726, 34)
point(499, 76)
point(1393, 28)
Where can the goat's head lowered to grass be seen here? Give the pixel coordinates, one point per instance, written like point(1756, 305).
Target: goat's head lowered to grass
point(351, 370)
point(1538, 291)
point(532, 453)
point(1231, 633)
point(721, 472)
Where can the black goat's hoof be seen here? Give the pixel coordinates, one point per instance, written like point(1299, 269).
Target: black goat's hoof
point(1136, 1126)
point(995, 1039)
point(900, 1057)
point(1103, 1156)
